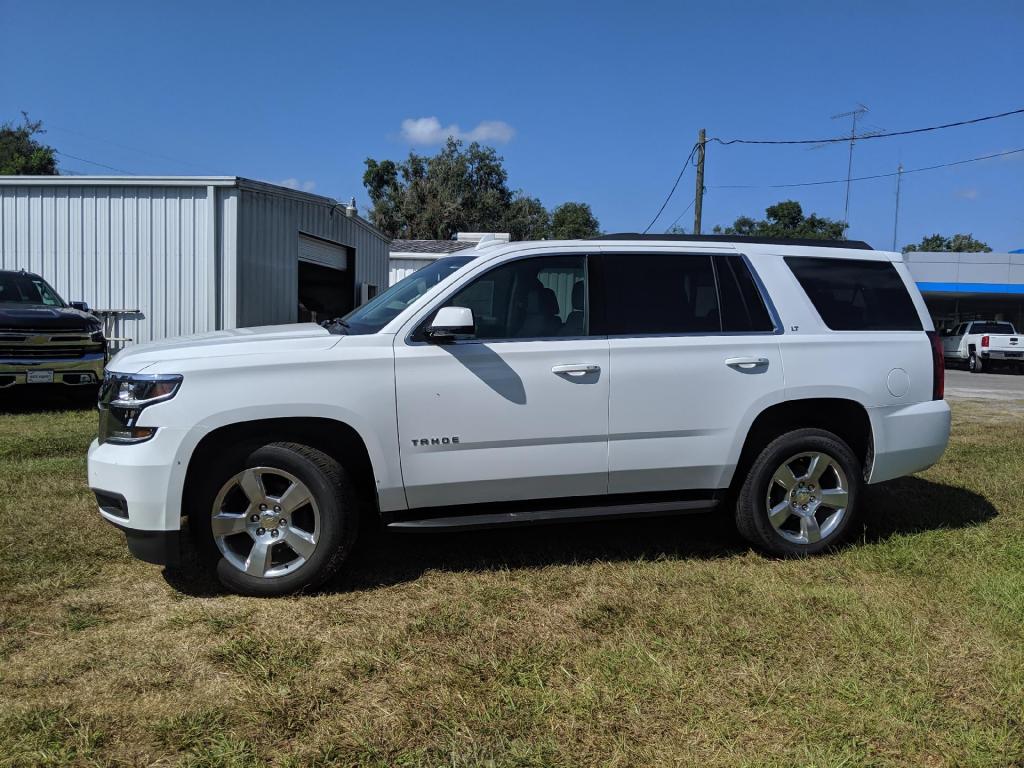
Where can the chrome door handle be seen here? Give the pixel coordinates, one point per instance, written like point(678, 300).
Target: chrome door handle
point(746, 362)
point(576, 369)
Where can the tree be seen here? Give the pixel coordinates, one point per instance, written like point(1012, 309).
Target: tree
point(21, 154)
point(461, 188)
point(527, 219)
point(958, 243)
point(573, 221)
point(786, 219)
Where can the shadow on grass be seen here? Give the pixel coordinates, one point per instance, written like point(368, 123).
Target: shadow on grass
point(913, 505)
point(384, 558)
point(46, 398)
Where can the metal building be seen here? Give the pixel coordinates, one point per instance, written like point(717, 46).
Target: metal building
point(970, 286)
point(171, 255)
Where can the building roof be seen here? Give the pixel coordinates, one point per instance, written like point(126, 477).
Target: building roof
point(186, 181)
point(431, 247)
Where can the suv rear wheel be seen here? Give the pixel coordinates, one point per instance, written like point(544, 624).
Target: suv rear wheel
point(800, 495)
point(277, 519)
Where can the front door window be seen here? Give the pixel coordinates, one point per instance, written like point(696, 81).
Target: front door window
point(529, 299)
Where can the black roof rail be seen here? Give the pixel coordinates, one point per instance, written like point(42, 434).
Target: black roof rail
point(857, 244)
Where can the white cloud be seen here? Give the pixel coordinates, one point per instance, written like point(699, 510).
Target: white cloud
point(293, 183)
point(428, 130)
point(970, 193)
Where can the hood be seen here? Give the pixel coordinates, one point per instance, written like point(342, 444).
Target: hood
point(37, 318)
point(264, 340)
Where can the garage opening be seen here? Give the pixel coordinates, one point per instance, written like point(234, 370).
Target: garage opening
point(326, 280)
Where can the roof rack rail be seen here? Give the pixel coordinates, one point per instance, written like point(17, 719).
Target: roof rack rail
point(857, 244)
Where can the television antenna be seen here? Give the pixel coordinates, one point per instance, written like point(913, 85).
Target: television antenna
point(854, 115)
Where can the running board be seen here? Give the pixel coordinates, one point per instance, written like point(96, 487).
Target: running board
point(541, 516)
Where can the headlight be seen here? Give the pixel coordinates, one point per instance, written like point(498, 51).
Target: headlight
point(124, 396)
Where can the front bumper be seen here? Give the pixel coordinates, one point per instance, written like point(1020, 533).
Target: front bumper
point(138, 490)
point(148, 477)
point(908, 439)
point(76, 371)
point(157, 547)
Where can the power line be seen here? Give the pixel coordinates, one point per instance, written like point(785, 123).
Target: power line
point(122, 146)
point(93, 162)
point(865, 178)
point(673, 190)
point(870, 135)
point(681, 215)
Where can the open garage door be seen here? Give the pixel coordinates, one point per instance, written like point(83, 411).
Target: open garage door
point(313, 250)
point(326, 286)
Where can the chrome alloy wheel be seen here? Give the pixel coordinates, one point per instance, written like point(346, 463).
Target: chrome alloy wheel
point(807, 498)
point(265, 522)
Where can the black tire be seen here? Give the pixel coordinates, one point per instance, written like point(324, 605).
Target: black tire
point(330, 488)
point(752, 517)
point(974, 363)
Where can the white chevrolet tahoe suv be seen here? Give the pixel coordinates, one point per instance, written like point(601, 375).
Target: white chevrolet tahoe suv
point(532, 382)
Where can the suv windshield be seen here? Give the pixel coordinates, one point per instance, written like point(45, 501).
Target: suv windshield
point(31, 290)
point(375, 314)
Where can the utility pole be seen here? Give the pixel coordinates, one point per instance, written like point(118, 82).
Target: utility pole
point(860, 110)
point(896, 219)
point(698, 203)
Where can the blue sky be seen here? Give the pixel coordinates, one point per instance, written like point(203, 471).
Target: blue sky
point(599, 102)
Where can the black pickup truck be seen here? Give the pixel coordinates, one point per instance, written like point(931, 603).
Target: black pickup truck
point(44, 340)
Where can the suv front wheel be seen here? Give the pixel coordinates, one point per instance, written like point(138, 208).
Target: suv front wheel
point(800, 495)
point(277, 519)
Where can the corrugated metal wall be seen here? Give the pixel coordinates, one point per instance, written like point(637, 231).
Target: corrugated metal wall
point(269, 225)
point(117, 247)
point(188, 262)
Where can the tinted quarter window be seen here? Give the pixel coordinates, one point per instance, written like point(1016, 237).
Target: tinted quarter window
point(856, 295)
point(659, 293)
point(743, 309)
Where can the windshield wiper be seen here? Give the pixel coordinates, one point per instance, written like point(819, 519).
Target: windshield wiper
point(337, 326)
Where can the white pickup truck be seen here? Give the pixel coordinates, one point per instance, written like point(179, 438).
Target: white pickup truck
point(979, 342)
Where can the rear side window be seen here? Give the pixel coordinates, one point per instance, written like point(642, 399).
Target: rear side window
point(856, 295)
point(659, 293)
point(742, 306)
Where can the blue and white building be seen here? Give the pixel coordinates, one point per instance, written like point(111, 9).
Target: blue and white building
point(970, 286)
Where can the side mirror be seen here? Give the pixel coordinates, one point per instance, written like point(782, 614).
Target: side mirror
point(81, 306)
point(451, 322)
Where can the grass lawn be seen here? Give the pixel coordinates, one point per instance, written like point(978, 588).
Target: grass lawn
point(650, 643)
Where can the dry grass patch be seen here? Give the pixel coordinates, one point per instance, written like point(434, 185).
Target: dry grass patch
point(657, 642)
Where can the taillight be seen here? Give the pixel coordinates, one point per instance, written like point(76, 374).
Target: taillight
point(984, 341)
point(938, 366)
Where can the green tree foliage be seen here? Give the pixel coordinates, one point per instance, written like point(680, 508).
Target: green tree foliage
point(959, 243)
point(461, 189)
point(527, 219)
point(786, 219)
point(21, 153)
point(573, 221)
